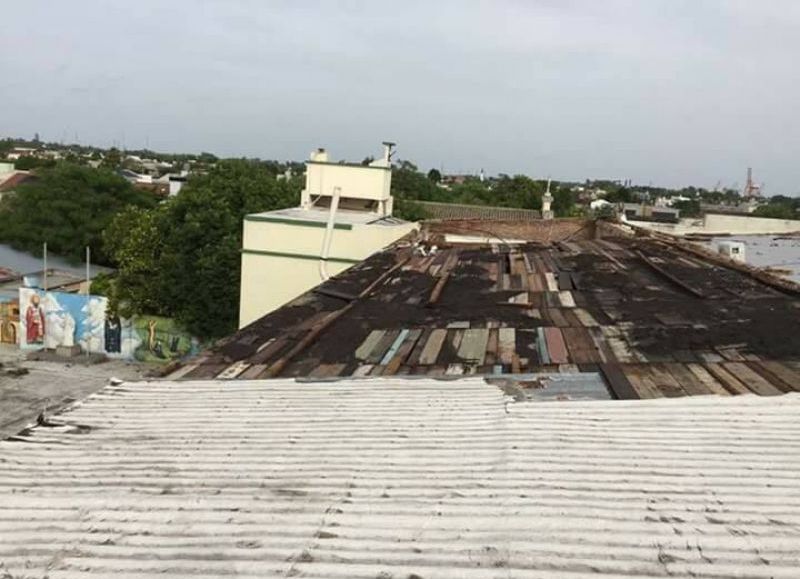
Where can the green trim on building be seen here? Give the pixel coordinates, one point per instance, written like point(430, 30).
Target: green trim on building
point(359, 165)
point(300, 256)
point(300, 222)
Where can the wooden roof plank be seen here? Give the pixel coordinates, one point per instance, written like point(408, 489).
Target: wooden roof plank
point(730, 382)
point(665, 381)
point(705, 378)
point(432, 347)
point(641, 382)
point(619, 384)
point(752, 379)
point(377, 353)
point(394, 363)
point(789, 377)
point(369, 343)
point(473, 346)
point(556, 347)
point(690, 383)
point(506, 344)
point(541, 345)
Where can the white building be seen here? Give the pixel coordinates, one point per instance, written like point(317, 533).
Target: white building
point(344, 216)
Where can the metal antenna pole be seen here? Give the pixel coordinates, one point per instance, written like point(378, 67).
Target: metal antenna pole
point(44, 254)
point(88, 286)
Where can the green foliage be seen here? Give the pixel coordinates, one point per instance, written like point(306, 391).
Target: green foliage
point(409, 210)
point(434, 176)
point(182, 258)
point(102, 285)
point(135, 239)
point(68, 207)
point(408, 183)
point(617, 194)
point(112, 159)
point(517, 191)
point(28, 163)
point(563, 201)
point(688, 208)
point(780, 207)
point(605, 212)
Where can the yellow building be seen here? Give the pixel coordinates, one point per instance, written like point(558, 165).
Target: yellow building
point(345, 215)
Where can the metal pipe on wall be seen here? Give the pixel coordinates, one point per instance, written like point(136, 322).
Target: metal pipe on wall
point(44, 250)
point(328, 237)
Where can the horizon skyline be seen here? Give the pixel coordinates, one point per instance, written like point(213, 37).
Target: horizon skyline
point(470, 172)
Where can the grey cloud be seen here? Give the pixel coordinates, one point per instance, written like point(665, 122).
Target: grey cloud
point(664, 91)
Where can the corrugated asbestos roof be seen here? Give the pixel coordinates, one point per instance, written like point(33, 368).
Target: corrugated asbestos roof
point(402, 478)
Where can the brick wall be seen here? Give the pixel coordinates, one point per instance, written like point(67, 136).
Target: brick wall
point(542, 231)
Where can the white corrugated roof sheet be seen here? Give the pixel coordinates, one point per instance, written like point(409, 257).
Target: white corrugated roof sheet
point(402, 479)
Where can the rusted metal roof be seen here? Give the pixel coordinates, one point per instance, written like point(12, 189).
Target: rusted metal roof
point(400, 477)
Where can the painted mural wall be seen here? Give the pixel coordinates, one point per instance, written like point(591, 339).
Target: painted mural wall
point(9, 321)
point(53, 319)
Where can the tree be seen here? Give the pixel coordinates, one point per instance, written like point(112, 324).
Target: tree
point(563, 201)
point(68, 207)
point(689, 208)
point(777, 211)
point(408, 183)
point(30, 162)
point(434, 176)
point(409, 210)
point(112, 159)
point(606, 212)
point(182, 259)
point(518, 191)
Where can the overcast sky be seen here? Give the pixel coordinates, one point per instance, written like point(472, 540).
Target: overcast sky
point(672, 92)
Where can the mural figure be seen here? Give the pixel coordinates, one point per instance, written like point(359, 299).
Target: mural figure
point(9, 321)
point(34, 321)
point(52, 319)
point(151, 335)
point(113, 335)
point(69, 331)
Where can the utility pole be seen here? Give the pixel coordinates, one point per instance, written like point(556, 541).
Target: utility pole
point(44, 271)
point(88, 283)
point(88, 270)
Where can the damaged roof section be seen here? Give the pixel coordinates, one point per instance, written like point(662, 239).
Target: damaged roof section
point(652, 319)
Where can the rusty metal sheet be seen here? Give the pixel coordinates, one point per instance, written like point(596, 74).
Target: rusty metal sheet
point(553, 387)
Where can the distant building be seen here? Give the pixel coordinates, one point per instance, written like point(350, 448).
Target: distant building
point(670, 201)
point(11, 179)
point(450, 180)
point(599, 204)
point(642, 212)
point(345, 215)
point(174, 182)
point(18, 152)
point(134, 177)
point(743, 207)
